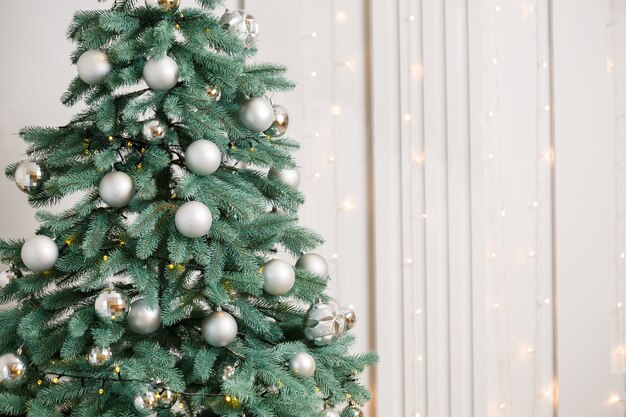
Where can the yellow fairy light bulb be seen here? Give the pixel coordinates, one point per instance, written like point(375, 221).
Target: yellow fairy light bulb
point(171, 266)
point(39, 382)
point(55, 380)
point(101, 391)
point(105, 258)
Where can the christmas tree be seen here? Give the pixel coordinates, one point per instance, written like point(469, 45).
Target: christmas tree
point(160, 292)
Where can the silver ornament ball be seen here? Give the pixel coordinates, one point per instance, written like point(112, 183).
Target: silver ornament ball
point(99, 356)
point(40, 253)
point(290, 177)
point(112, 305)
point(193, 219)
point(242, 25)
point(279, 277)
point(355, 412)
point(30, 176)
point(229, 372)
point(324, 323)
point(93, 67)
point(163, 5)
point(314, 263)
point(281, 122)
point(7, 277)
point(164, 396)
point(302, 364)
point(142, 319)
point(14, 370)
point(203, 157)
point(214, 92)
point(331, 413)
point(257, 114)
point(154, 131)
point(219, 329)
point(146, 402)
point(161, 74)
point(117, 189)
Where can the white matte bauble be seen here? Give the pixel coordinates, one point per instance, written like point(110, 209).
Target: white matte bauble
point(30, 176)
point(279, 277)
point(161, 74)
point(219, 329)
point(331, 413)
point(142, 319)
point(40, 253)
point(112, 305)
point(193, 219)
point(93, 67)
point(257, 114)
point(117, 189)
point(313, 263)
point(203, 157)
point(163, 5)
point(302, 364)
point(14, 370)
point(154, 131)
point(290, 177)
point(281, 122)
point(7, 277)
point(99, 356)
point(242, 25)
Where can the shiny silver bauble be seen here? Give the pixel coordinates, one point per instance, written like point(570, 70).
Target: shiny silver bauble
point(354, 411)
point(314, 263)
point(93, 67)
point(257, 114)
point(163, 5)
point(40, 253)
point(7, 277)
point(219, 329)
point(145, 402)
point(161, 74)
point(287, 176)
point(203, 157)
point(281, 122)
point(193, 219)
point(142, 319)
point(165, 397)
point(14, 370)
point(112, 305)
point(99, 356)
point(242, 25)
point(30, 176)
point(117, 189)
point(154, 131)
point(214, 92)
point(279, 277)
point(350, 316)
point(324, 323)
point(302, 364)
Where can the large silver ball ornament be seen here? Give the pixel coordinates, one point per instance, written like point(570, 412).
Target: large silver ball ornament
point(193, 219)
point(279, 277)
point(112, 305)
point(99, 356)
point(331, 413)
point(203, 157)
point(302, 364)
point(281, 122)
point(142, 319)
point(161, 74)
point(154, 131)
point(324, 323)
point(117, 189)
point(14, 370)
point(93, 67)
point(257, 114)
point(314, 263)
point(290, 177)
point(219, 329)
point(163, 5)
point(30, 176)
point(7, 277)
point(242, 25)
point(146, 402)
point(40, 253)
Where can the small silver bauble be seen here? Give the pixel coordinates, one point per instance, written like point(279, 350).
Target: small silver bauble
point(7, 277)
point(324, 323)
point(145, 402)
point(193, 219)
point(93, 67)
point(313, 263)
point(279, 277)
point(290, 177)
point(257, 114)
point(302, 364)
point(117, 189)
point(14, 370)
point(99, 356)
point(40, 253)
point(154, 131)
point(242, 25)
point(164, 396)
point(161, 74)
point(142, 319)
point(350, 316)
point(281, 122)
point(330, 413)
point(203, 157)
point(214, 92)
point(164, 5)
point(112, 305)
point(355, 412)
point(229, 372)
point(30, 176)
point(219, 329)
